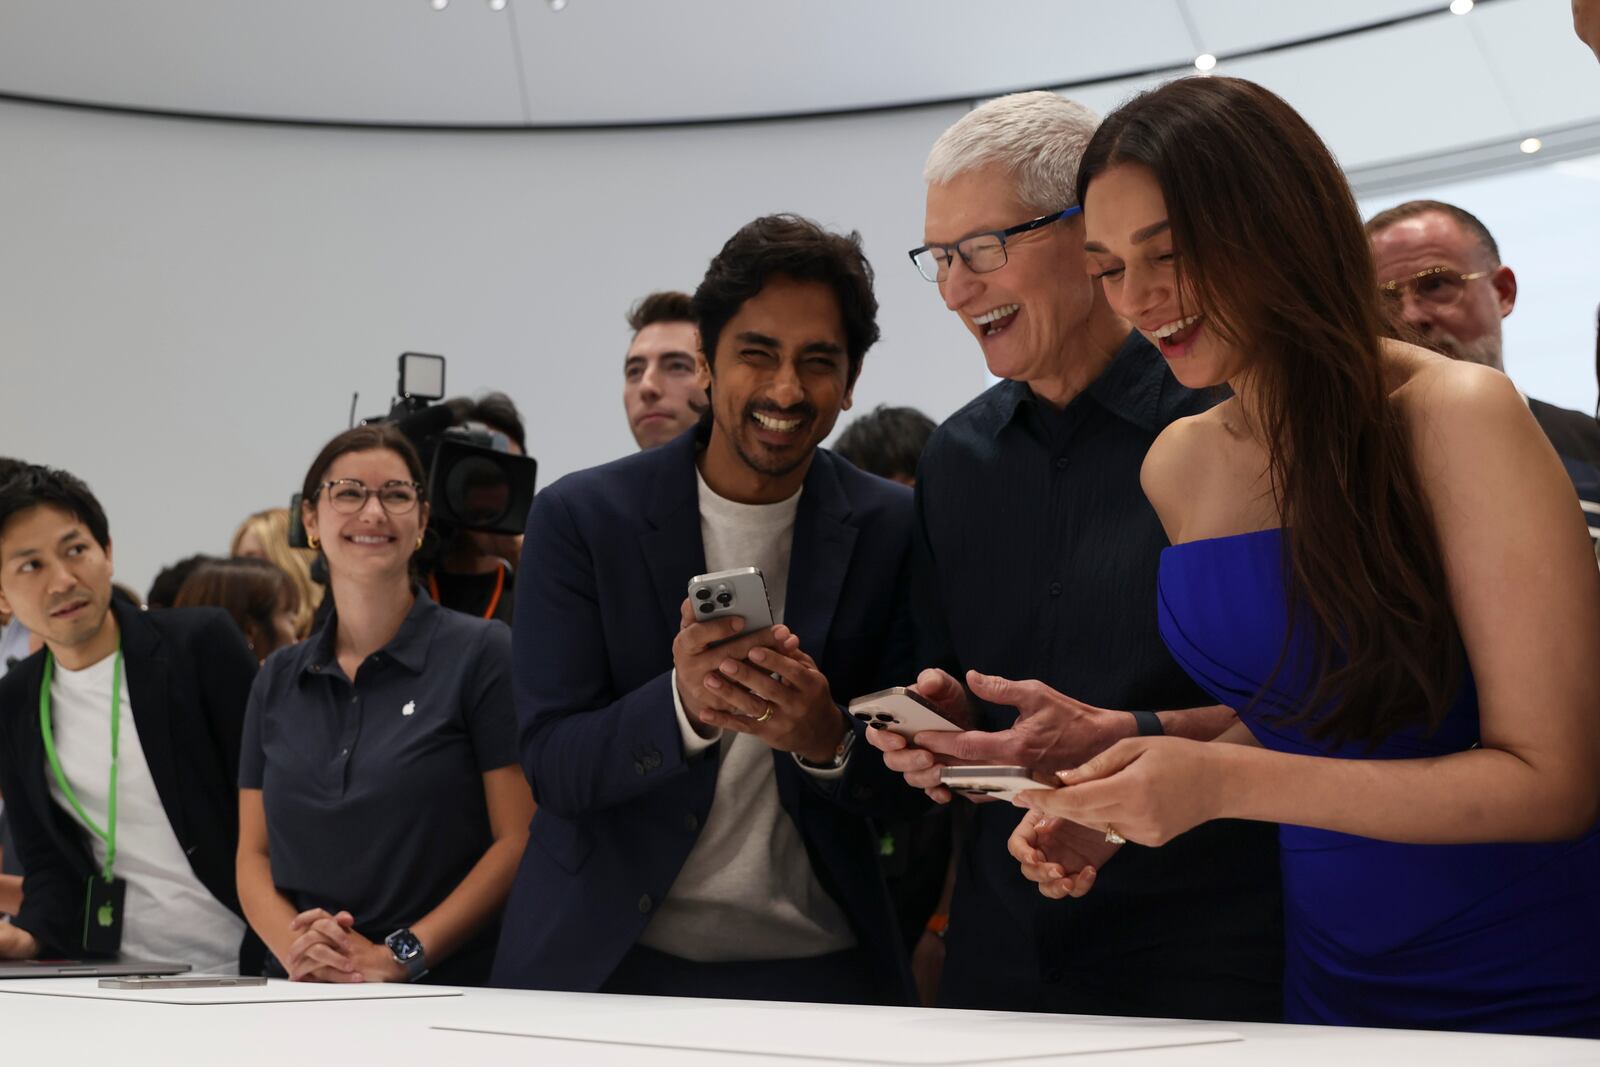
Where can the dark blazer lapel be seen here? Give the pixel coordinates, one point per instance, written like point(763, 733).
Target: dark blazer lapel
point(673, 549)
point(144, 662)
point(69, 838)
point(818, 561)
point(824, 539)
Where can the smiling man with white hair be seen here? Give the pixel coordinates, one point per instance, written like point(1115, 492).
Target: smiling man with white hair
point(1036, 559)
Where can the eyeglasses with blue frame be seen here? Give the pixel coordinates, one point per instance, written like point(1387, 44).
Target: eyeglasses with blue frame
point(982, 252)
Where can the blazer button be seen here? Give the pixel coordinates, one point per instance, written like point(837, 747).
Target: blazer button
point(690, 823)
point(645, 904)
point(1055, 588)
point(639, 767)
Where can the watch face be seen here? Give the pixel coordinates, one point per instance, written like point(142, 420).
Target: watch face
point(404, 945)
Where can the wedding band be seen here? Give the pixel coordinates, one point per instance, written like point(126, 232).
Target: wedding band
point(767, 714)
point(1114, 838)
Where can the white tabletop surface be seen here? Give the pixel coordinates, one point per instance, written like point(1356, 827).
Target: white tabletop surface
point(634, 1031)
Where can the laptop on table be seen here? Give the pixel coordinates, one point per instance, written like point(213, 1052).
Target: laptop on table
point(86, 968)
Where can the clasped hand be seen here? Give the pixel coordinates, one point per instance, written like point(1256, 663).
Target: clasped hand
point(759, 683)
point(1052, 730)
point(1150, 789)
point(328, 949)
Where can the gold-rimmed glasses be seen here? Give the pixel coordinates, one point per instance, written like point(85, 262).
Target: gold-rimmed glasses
point(1438, 286)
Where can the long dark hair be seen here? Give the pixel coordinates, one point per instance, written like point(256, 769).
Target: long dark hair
point(1270, 245)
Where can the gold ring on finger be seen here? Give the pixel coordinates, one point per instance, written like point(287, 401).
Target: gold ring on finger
point(766, 714)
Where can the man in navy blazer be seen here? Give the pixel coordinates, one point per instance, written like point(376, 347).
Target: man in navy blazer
point(702, 806)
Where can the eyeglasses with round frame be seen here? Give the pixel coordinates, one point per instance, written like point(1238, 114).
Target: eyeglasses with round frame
point(1439, 286)
point(982, 252)
point(348, 496)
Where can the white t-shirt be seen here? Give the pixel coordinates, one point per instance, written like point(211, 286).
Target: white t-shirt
point(167, 913)
point(747, 890)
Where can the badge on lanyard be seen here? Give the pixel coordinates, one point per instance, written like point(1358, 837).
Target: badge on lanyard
point(102, 902)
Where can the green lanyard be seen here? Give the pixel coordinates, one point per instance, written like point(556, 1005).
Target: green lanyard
point(109, 834)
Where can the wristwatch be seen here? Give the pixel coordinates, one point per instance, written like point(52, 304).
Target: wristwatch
point(841, 753)
point(407, 952)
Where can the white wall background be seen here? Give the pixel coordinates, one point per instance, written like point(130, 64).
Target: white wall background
point(188, 305)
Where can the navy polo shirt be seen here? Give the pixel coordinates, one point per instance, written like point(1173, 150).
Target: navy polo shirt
point(374, 790)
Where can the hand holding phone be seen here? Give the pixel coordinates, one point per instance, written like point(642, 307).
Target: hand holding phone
point(724, 616)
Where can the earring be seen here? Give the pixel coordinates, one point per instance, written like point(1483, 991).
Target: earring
point(419, 540)
point(311, 539)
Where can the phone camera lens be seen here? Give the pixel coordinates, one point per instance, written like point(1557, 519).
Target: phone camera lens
point(863, 716)
point(886, 718)
point(705, 607)
point(724, 599)
point(702, 594)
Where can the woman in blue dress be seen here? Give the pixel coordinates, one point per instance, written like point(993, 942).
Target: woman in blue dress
point(1377, 563)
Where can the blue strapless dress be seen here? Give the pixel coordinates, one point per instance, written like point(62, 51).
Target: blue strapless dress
point(1496, 937)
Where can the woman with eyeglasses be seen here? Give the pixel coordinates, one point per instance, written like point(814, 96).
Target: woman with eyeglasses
point(382, 807)
point(1376, 562)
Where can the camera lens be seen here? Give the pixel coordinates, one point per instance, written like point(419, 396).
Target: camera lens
point(703, 594)
point(705, 607)
point(724, 599)
point(863, 716)
point(885, 718)
point(478, 490)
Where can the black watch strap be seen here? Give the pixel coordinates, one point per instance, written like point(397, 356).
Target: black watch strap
point(1149, 723)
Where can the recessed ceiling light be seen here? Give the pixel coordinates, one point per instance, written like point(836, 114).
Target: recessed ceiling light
point(497, 5)
point(1460, 7)
point(1205, 63)
point(438, 5)
point(1531, 145)
point(557, 5)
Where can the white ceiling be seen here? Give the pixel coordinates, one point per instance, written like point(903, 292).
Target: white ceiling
point(625, 61)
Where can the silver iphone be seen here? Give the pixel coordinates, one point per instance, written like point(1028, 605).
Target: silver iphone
point(741, 591)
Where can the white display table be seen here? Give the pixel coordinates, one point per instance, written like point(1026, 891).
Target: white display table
point(37, 1027)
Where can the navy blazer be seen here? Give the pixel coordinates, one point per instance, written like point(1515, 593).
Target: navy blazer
point(605, 566)
point(189, 673)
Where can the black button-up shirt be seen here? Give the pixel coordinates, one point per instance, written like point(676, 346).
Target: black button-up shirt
point(1037, 558)
point(374, 790)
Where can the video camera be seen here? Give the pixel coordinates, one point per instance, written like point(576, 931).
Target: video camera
point(474, 482)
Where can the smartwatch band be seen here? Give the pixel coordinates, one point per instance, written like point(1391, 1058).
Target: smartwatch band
point(1149, 723)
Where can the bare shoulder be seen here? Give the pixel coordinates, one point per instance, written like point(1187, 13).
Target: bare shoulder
point(1174, 464)
point(1455, 408)
point(1483, 460)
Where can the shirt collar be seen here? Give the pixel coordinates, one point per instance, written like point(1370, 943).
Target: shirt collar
point(1138, 387)
point(408, 647)
point(1135, 386)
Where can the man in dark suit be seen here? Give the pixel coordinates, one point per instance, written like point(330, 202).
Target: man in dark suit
point(702, 805)
point(119, 749)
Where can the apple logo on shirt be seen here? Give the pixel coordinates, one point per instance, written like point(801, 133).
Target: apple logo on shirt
point(410, 708)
